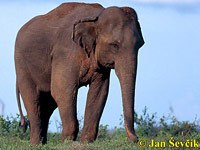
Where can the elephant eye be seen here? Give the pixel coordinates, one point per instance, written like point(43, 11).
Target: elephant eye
point(115, 45)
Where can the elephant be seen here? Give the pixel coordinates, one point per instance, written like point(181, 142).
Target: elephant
point(75, 45)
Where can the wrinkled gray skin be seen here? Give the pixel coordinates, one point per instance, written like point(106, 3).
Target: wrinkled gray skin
point(74, 45)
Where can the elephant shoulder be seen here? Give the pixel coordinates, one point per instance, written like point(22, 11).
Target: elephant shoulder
point(56, 15)
point(67, 8)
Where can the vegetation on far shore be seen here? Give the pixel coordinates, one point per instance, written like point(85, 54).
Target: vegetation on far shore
point(148, 127)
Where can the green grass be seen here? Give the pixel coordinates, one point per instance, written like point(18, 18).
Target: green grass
point(54, 143)
point(148, 127)
point(116, 141)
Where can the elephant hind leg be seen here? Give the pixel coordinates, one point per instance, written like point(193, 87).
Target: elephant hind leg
point(39, 106)
point(47, 106)
point(30, 96)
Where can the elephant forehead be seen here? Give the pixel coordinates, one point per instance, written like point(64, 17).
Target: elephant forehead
point(108, 38)
point(114, 34)
point(112, 13)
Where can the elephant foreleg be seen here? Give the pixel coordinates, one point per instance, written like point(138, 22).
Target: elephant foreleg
point(96, 99)
point(68, 114)
point(64, 90)
point(65, 96)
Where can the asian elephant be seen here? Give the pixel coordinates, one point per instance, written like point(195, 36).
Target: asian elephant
point(74, 45)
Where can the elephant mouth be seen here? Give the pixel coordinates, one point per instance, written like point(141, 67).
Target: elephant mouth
point(110, 65)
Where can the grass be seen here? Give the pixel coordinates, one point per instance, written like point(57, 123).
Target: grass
point(148, 127)
point(54, 143)
point(115, 141)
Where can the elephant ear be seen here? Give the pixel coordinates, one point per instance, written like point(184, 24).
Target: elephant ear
point(84, 34)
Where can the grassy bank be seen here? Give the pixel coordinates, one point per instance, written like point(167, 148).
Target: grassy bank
point(165, 132)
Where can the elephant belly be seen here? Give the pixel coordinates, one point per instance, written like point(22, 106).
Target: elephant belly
point(43, 81)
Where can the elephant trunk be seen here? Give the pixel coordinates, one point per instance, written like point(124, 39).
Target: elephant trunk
point(126, 70)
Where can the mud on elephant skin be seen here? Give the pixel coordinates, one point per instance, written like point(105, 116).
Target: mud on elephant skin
point(76, 44)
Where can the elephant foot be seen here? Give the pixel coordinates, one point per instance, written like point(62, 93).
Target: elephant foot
point(35, 141)
point(131, 134)
point(132, 137)
point(35, 136)
point(70, 138)
point(89, 138)
point(67, 136)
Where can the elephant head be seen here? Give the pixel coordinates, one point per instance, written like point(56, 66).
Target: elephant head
point(114, 38)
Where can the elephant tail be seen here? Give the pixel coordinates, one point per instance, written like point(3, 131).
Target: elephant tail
point(23, 121)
